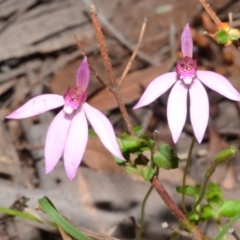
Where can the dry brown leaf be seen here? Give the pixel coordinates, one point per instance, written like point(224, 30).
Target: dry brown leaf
point(98, 157)
point(131, 89)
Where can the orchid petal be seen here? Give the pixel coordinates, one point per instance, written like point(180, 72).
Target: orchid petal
point(156, 88)
point(187, 42)
point(104, 129)
point(82, 78)
point(219, 84)
point(177, 109)
point(55, 139)
point(76, 143)
point(199, 109)
point(37, 105)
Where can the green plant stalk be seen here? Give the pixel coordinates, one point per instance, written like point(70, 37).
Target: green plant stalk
point(185, 174)
point(208, 174)
point(142, 223)
point(225, 229)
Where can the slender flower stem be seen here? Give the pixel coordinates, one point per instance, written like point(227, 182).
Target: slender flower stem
point(185, 174)
point(107, 63)
point(140, 230)
point(210, 11)
point(207, 176)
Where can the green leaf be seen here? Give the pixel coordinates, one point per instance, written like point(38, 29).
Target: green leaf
point(50, 210)
point(222, 36)
point(166, 157)
point(225, 155)
point(214, 197)
point(230, 208)
point(20, 214)
point(131, 145)
point(192, 217)
point(233, 37)
point(213, 190)
point(147, 173)
point(119, 161)
point(137, 129)
point(131, 170)
point(207, 213)
point(191, 191)
point(92, 133)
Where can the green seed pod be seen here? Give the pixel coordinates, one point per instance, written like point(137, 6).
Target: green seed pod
point(225, 155)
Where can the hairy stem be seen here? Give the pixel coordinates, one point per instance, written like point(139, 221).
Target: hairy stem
point(208, 174)
point(107, 63)
point(176, 211)
point(185, 174)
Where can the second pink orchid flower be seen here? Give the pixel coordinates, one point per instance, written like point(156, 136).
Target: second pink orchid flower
point(187, 79)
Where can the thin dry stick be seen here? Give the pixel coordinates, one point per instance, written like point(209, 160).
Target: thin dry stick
point(125, 72)
point(233, 232)
point(178, 231)
point(230, 18)
point(114, 86)
point(210, 11)
point(89, 65)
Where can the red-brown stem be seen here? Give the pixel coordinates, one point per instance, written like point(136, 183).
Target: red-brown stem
point(175, 210)
point(102, 45)
point(210, 11)
point(107, 63)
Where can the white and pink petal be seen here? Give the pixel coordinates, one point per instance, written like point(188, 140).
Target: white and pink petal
point(104, 129)
point(218, 83)
point(156, 88)
point(177, 109)
point(75, 143)
point(199, 109)
point(55, 140)
point(38, 105)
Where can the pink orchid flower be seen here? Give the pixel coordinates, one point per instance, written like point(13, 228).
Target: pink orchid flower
point(68, 132)
point(187, 79)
